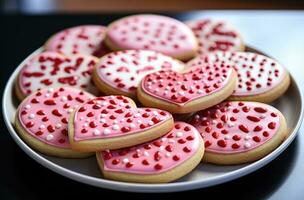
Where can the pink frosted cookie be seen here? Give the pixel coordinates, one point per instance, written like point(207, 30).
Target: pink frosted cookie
point(163, 160)
point(198, 88)
point(42, 120)
point(214, 35)
point(113, 122)
point(259, 78)
point(86, 39)
point(51, 69)
point(237, 132)
point(152, 32)
point(120, 72)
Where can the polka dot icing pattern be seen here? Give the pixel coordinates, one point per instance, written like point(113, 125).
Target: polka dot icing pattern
point(87, 39)
point(50, 69)
point(152, 32)
point(177, 88)
point(114, 116)
point(233, 127)
point(256, 73)
point(158, 156)
point(44, 115)
point(125, 69)
point(214, 35)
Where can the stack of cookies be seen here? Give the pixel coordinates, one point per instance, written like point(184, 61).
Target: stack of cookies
point(151, 97)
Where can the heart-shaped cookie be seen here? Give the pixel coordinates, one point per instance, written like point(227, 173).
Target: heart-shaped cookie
point(215, 35)
point(152, 32)
point(259, 78)
point(237, 132)
point(163, 160)
point(85, 39)
point(120, 72)
point(42, 120)
point(198, 88)
point(113, 122)
point(51, 69)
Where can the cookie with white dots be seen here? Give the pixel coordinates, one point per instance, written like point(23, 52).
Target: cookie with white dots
point(152, 32)
point(199, 87)
point(215, 35)
point(85, 39)
point(163, 160)
point(259, 78)
point(113, 122)
point(51, 69)
point(42, 120)
point(120, 72)
point(238, 132)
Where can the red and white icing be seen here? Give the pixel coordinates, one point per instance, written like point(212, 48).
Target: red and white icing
point(152, 32)
point(157, 156)
point(114, 116)
point(86, 39)
point(177, 88)
point(51, 69)
point(44, 115)
point(256, 73)
point(234, 127)
point(215, 35)
point(124, 70)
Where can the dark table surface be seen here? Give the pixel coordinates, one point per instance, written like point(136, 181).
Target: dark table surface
point(23, 178)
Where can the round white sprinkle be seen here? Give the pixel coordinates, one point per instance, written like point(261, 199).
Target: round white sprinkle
point(213, 121)
point(138, 150)
point(99, 102)
point(42, 126)
point(102, 120)
point(178, 83)
point(104, 103)
point(149, 87)
point(262, 116)
point(151, 123)
point(111, 97)
point(28, 106)
point(196, 116)
point(63, 98)
point(168, 154)
point(70, 110)
point(230, 125)
point(227, 137)
point(171, 141)
point(115, 121)
point(58, 125)
point(155, 113)
point(167, 88)
point(181, 93)
point(85, 125)
point(106, 131)
point(146, 153)
point(31, 116)
point(50, 90)
point(166, 92)
point(179, 134)
point(156, 90)
point(161, 148)
point(153, 81)
point(115, 127)
point(200, 92)
point(223, 78)
point(121, 104)
point(204, 118)
point(122, 120)
point(247, 137)
point(139, 121)
point(125, 160)
point(137, 115)
point(149, 83)
point(164, 139)
point(49, 137)
point(96, 132)
point(47, 95)
point(247, 145)
point(103, 115)
point(132, 125)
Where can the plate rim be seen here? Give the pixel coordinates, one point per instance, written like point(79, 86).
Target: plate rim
point(142, 187)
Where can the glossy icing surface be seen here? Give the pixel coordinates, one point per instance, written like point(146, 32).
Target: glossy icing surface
point(152, 32)
point(124, 70)
point(44, 115)
point(114, 116)
point(234, 127)
point(157, 156)
point(86, 39)
point(256, 73)
point(51, 69)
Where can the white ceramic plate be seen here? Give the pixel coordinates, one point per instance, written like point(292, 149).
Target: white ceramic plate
point(205, 175)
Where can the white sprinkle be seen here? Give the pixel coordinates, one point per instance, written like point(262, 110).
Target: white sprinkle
point(164, 139)
point(50, 90)
point(103, 115)
point(115, 121)
point(196, 116)
point(132, 125)
point(96, 132)
point(200, 92)
point(171, 141)
point(125, 160)
point(85, 125)
point(138, 150)
point(42, 126)
point(58, 126)
point(70, 110)
point(115, 127)
point(227, 137)
point(87, 120)
point(247, 137)
point(63, 98)
point(167, 88)
point(106, 131)
point(247, 145)
point(181, 93)
point(204, 118)
point(31, 116)
point(151, 123)
point(149, 83)
point(230, 125)
point(28, 106)
point(47, 95)
point(213, 121)
point(161, 148)
point(104, 103)
point(179, 134)
point(149, 87)
point(121, 104)
point(155, 113)
point(137, 115)
point(168, 154)
point(153, 81)
point(81, 118)
point(111, 97)
point(160, 81)
point(156, 90)
point(178, 83)
point(192, 87)
point(146, 153)
point(102, 120)
point(122, 120)
point(262, 116)
point(49, 137)
point(139, 121)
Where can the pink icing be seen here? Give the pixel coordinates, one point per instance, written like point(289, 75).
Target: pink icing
point(157, 156)
point(234, 127)
point(114, 116)
point(152, 32)
point(214, 35)
point(177, 88)
point(44, 115)
point(86, 39)
point(124, 70)
point(51, 69)
point(256, 73)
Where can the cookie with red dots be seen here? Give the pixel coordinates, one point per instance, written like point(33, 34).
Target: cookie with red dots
point(120, 72)
point(42, 120)
point(238, 132)
point(215, 35)
point(51, 69)
point(85, 39)
point(113, 122)
point(199, 87)
point(163, 160)
point(259, 78)
point(152, 32)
